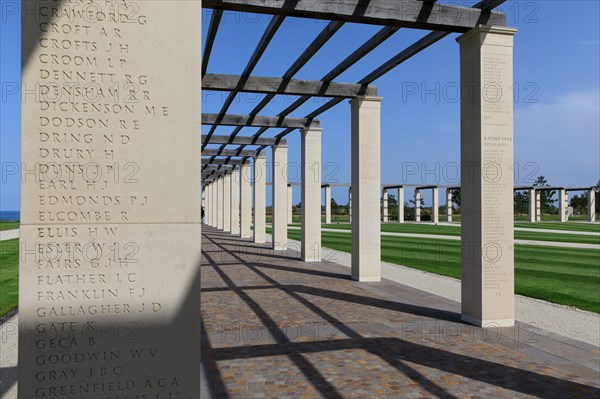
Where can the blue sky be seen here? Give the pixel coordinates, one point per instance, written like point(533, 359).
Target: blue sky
point(557, 108)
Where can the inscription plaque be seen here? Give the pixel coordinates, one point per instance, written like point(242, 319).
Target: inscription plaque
point(110, 237)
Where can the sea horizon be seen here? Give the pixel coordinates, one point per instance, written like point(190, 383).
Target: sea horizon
point(10, 216)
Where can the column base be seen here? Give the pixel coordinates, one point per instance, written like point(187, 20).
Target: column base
point(311, 260)
point(366, 279)
point(488, 323)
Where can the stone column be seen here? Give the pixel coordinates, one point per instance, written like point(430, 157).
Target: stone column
point(235, 201)
point(538, 205)
point(350, 204)
point(400, 204)
point(384, 206)
point(366, 188)
point(129, 265)
point(208, 203)
point(592, 205)
point(260, 194)
point(311, 195)
point(417, 205)
point(220, 202)
point(532, 205)
point(327, 204)
point(280, 200)
point(563, 205)
point(227, 203)
point(449, 205)
point(290, 205)
point(245, 202)
point(215, 210)
point(487, 179)
point(435, 205)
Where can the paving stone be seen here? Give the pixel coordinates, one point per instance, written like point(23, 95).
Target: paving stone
point(276, 327)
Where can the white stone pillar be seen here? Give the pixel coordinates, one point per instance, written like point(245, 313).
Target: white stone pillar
point(417, 205)
point(449, 205)
point(260, 195)
point(208, 203)
point(280, 194)
point(400, 204)
point(227, 203)
point(350, 204)
point(311, 195)
point(384, 206)
point(215, 207)
point(245, 202)
point(366, 188)
point(532, 205)
point(487, 197)
point(592, 205)
point(435, 205)
point(235, 201)
point(563, 205)
point(220, 202)
point(327, 204)
point(290, 205)
point(538, 205)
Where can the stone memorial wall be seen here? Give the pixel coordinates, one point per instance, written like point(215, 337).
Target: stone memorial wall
point(111, 192)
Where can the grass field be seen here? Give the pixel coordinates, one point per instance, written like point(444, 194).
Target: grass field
point(413, 228)
point(8, 225)
point(561, 275)
point(9, 275)
point(585, 227)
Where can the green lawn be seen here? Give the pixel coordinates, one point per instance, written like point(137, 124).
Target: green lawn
point(412, 228)
point(8, 225)
point(585, 227)
point(9, 275)
point(547, 218)
point(561, 275)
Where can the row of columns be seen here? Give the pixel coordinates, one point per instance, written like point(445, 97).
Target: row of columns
point(487, 264)
point(417, 198)
point(228, 199)
point(535, 205)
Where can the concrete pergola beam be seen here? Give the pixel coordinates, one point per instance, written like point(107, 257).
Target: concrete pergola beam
point(229, 153)
point(239, 140)
point(258, 121)
point(398, 13)
point(294, 87)
point(225, 168)
point(223, 161)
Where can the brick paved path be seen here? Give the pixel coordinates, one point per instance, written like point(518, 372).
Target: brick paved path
point(276, 327)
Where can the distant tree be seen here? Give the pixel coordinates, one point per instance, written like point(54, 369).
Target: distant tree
point(547, 196)
point(392, 201)
point(455, 196)
point(579, 203)
point(412, 202)
point(334, 204)
point(521, 202)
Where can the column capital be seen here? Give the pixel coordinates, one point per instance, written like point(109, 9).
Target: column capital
point(312, 129)
point(361, 99)
point(486, 29)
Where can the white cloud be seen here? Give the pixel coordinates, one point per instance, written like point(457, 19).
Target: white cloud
point(562, 137)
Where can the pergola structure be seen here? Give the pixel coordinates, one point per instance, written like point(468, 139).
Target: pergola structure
point(535, 201)
point(486, 70)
